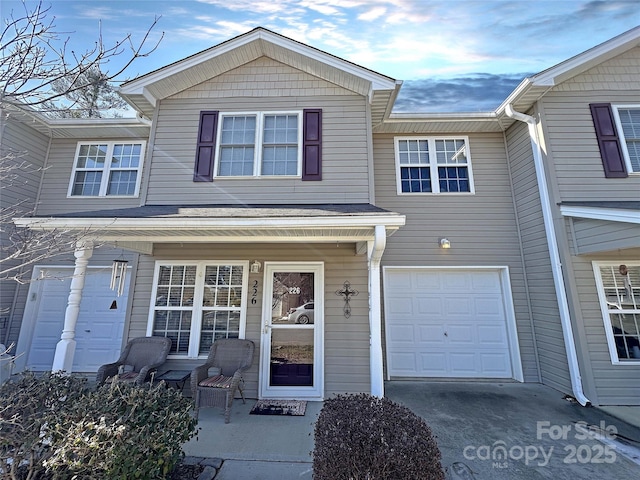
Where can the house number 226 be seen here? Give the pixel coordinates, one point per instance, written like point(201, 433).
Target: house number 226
point(254, 293)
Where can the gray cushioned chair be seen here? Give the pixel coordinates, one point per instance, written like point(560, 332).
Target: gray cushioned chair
point(231, 357)
point(140, 357)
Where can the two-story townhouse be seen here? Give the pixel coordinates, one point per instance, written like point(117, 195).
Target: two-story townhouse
point(275, 184)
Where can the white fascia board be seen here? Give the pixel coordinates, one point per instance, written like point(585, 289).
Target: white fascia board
point(209, 223)
point(379, 81)
point(607, 214)
point(591, 57)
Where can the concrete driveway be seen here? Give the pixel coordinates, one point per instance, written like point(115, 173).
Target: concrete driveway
point(520, 431)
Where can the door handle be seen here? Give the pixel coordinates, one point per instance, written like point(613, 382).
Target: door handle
point(266, 328)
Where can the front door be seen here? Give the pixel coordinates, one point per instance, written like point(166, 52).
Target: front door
point(292, 333)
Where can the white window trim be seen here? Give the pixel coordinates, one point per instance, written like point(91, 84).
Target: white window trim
point(107, 168)
point(196, 319)
point(623, 142)
point(613, 351)
point(258, 145)
point(433, 165)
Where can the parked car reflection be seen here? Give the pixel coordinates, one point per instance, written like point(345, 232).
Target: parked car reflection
point(303, 314)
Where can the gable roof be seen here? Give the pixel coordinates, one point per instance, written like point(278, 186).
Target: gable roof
point(144, 92)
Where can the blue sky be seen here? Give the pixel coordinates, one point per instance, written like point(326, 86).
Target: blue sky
point(453, 55)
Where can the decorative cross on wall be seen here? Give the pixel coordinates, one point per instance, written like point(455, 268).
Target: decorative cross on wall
point(347, 292)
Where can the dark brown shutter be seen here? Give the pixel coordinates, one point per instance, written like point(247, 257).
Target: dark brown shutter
point(312, 145)
point(206, 149)
point(608, 140)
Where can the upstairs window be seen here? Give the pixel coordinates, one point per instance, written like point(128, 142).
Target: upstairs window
point(619, 295)
point(628, 121)
point(259, 144)
point(433, 165)
point(107, 169)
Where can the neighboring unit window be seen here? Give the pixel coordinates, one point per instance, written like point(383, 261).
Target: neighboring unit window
point(259, 145)
point(619, 293)
point(433, 165)
point(107, 169)
point(629, 128)
point(197, 303)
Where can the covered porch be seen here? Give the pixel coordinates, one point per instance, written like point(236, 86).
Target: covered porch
point(334, 242)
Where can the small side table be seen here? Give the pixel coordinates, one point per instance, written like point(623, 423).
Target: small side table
point(177, 377)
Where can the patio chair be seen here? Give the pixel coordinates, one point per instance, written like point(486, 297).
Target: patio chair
point(138, 360)
point(232, 356)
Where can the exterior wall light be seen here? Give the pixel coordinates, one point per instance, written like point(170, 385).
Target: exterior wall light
point(445, 243)
point(255, 267)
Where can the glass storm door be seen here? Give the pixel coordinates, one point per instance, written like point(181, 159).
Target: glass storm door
point(292, 332)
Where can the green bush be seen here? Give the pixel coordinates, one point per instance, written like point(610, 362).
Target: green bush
point(361, 437)
point(118, 431)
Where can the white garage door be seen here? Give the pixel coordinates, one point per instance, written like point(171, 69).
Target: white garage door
point(446, 323)
point(98, 331)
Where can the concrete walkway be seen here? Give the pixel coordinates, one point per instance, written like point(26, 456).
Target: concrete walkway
point(484, 430)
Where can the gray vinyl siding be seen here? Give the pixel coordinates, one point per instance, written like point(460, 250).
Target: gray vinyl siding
point(481, 227)
point(549, 336)
point(17, 197)
point(576, 174)
point(262, 85)
point(614, 384)
point(55, 182)
point(346, 341)
point(591, 236)
point(570, 135)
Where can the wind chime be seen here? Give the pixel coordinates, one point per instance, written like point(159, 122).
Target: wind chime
point(118, 279)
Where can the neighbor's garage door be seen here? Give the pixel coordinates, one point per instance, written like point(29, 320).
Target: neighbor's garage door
point(98, 331)
point(446, 323)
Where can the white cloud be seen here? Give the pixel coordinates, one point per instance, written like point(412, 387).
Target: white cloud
point(372, 14)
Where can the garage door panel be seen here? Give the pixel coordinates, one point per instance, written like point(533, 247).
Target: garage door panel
point(434, 364)
point(402, 305)
point(494, 363)
point(405, 363)
point(398, 281)
point(491, 335)
point(459, 324)
point(457, 334)
point(402, 333)
point(430, 334)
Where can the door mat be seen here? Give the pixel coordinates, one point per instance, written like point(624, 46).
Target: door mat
point(279, 407)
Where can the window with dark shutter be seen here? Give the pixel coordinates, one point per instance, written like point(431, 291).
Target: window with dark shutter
point(312, 145)
point(608, 140)
point(206, 148)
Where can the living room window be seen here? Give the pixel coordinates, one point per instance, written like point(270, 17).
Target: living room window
point(433, 165)
point(197, 303)
point(619, 295)
point(628, 123)
point(260, 144)
point(107, 169)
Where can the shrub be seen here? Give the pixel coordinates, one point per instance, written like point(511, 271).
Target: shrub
point(28, 406)
point(118, 431)
point(360, 437)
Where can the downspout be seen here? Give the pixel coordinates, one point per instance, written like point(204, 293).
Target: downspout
point(556, 265)
point(375, 251)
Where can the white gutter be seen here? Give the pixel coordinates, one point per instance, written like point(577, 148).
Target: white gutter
point(556, 265)
point(375, 251)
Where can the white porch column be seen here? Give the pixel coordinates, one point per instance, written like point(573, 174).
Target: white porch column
point(66, 347)
point(375, 250)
